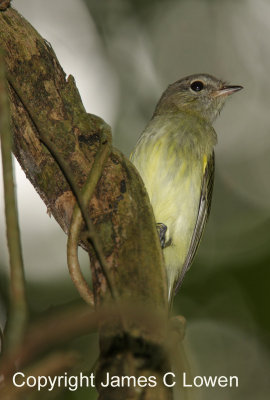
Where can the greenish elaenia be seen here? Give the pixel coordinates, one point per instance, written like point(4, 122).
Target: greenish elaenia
point(175, 158)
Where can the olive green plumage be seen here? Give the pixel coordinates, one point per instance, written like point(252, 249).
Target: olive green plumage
point(175, 158)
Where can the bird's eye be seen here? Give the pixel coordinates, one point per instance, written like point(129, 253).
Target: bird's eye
point(197, 86)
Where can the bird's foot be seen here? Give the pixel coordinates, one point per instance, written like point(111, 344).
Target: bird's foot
point(162, 229)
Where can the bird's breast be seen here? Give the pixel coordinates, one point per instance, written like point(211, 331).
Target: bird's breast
point(171, 164)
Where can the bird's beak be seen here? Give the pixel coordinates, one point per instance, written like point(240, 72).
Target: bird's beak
point(227, 90)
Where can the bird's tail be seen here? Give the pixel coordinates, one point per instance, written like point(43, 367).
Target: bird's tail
point(171, 291)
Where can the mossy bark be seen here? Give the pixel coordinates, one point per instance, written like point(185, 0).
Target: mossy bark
point(42, 97)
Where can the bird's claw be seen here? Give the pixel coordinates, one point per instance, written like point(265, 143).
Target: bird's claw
point(162, 229)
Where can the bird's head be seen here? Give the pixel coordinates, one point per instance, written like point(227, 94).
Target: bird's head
point(201, 94)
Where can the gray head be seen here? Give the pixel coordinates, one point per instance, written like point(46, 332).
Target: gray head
point(199, 94)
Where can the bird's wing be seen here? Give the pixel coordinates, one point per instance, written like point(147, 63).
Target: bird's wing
point(203, 213)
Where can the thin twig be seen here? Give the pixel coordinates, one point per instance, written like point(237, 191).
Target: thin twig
point(72, 258)
point(67, 172)
point(91, 232)
point(18, 306)
point(77, 222)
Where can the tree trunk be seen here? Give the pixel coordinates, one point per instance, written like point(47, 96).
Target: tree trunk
point(44, 103)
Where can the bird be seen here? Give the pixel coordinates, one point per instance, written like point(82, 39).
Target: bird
point(175, 157)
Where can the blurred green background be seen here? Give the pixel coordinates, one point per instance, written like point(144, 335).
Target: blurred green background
point(123, 54)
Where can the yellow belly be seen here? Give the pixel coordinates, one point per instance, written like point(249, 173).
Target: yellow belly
point(173, 183)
